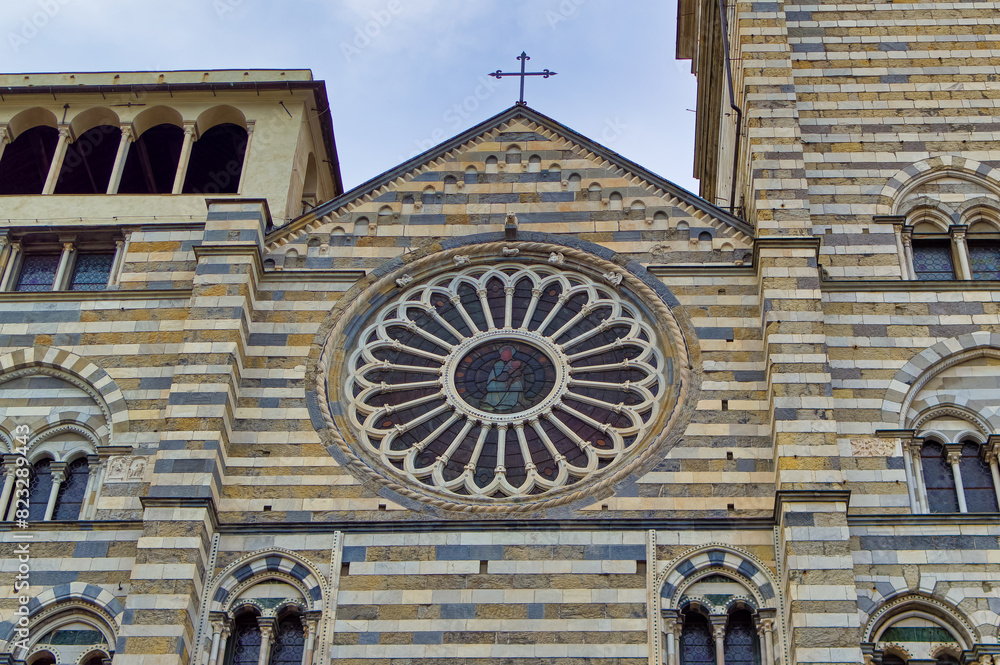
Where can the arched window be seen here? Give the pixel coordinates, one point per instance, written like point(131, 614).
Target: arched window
point(741, 644)
point(75, 635)
point(977, 480)
point(26, 161)
point(471, 176)
point(984, 259)
point(245, 641)
point(697, 646)
point(39, 489)
point(72, 491)
point(429, 196)
point(151, 164)
point(918, 632)
point(86, 168)
point(42, 658)
point(939, 481)
point(932, 260)
point(217, 161)
point(289, 641)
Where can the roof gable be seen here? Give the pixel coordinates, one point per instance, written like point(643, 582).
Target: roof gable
point(522, 162)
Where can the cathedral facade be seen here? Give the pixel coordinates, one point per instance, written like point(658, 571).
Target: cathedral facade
point(518, 399)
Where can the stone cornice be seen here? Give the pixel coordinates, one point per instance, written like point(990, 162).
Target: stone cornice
point(70, 296)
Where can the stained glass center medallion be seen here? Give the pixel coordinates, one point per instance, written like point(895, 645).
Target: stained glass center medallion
point(499, 380)
point(507, 376)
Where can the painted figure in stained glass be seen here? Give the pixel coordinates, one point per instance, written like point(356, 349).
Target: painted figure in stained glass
point(505, 385)
point(504, 377)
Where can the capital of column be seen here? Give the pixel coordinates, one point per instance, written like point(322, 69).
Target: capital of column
point(4, 134)
point(719, 628)
point(906, 233)
point(128, 131)
point(58, 470)
point(9, 465)
point(190, 129)
point(669, 620)
point(953, 452)
point(765, 626)
point(66, 132)
point(958, 232)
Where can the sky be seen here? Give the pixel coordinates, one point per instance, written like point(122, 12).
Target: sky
point(402, 75)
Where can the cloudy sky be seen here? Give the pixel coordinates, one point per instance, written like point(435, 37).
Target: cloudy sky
point(402, 75)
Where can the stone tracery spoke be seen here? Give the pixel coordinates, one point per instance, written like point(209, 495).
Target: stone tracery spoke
point(501, 363)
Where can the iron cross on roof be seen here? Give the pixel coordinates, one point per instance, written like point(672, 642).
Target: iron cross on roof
point(523, 58)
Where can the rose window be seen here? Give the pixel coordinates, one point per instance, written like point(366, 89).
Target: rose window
point(505, 380)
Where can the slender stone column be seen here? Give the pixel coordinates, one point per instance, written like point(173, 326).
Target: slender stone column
point(58, 475)
point(719, 633)
point(4, 138)
point(266, 632)
point(128, 136)
point(94, 477)
point(220, 634)
point(309, 630)
point(213, 656)
point(906, 235)
point(911, 479)
point(246, 159)
point(765, 628)
point(954, 455)
point(670, 624)
point(13, 254)
point(55, 167)
point(182, 163)
point(59, 283)
point(9, 467)
point(991, 459)
point(914, 448)
point(964, 268)
point(121, 250)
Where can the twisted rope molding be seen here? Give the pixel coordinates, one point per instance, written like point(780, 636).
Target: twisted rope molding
point(445, 259)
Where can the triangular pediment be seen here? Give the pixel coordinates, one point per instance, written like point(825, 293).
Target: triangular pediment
point(519, 162)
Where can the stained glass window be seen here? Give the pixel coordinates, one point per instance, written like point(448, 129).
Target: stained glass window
point(38, 272)
point(505, 380)
point(697, 646)
point(39, 489)
point(984, 259)
point(70, 498)
point(980, 497)
point(938, 479)
point(289, 642)
point(741, 645)
point(92, 272)
point(245, 641)
point(932, 260)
